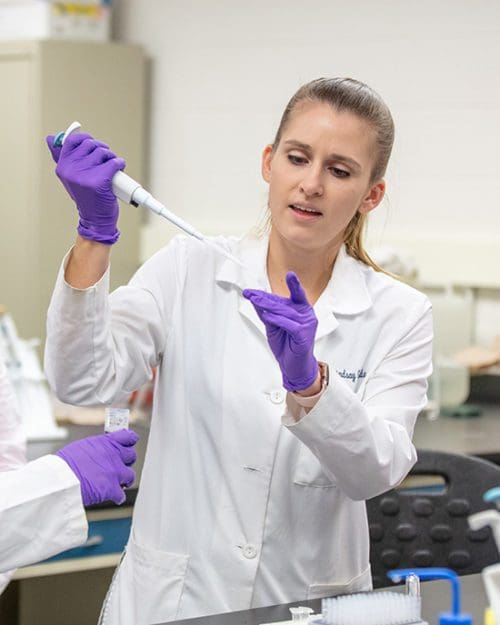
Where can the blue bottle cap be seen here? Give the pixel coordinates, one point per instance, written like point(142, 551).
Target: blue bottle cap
point(455, 617)
point(493, 494)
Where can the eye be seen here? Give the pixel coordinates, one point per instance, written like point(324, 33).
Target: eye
point(296, 160)
point(339, 173)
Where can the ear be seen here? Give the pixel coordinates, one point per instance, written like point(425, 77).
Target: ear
point(267, 156)
point(373, 198)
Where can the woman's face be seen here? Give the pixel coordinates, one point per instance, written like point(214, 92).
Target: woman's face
point(319, 176)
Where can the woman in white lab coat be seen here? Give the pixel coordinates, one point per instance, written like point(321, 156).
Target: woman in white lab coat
point(282, 400)
point(42, 503)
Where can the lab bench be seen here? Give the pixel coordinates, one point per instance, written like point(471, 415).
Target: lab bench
point(436, 598)
point(474, 436)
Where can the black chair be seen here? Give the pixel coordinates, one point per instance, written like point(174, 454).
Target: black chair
point(426, 527)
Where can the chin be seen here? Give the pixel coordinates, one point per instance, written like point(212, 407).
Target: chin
point(309, 243)
point(306, 238)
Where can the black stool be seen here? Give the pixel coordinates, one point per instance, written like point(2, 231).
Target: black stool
point(424, 528)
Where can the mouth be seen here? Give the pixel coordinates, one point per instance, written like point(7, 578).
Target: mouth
point(305, 211)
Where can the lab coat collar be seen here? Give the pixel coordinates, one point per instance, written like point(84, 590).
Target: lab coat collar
point(252, 251)
point(345, 294)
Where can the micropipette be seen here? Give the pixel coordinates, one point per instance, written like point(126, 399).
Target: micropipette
point(129, 191)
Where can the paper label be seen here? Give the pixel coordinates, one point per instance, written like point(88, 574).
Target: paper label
point(116, 419)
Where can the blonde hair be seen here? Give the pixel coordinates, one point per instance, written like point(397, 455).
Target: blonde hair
point(347, 94)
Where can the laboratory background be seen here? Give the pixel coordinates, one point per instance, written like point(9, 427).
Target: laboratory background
point(189, 92)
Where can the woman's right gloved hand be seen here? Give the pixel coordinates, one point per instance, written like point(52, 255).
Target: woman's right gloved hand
point(86, 168)
point(102, 464)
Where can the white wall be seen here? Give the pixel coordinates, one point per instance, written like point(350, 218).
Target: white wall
point(223, 70)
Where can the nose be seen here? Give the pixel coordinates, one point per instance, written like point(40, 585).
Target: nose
point(311, 184)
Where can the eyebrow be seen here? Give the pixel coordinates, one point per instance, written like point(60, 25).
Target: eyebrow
point(337, 157)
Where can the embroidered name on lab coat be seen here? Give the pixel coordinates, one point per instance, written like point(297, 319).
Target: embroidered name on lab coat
point(352, 375)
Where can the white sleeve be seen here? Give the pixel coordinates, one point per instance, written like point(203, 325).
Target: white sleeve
point(41, 512)
point(102, 347)
point(364, 443)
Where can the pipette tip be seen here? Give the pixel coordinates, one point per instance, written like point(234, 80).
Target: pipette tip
point(223, 251)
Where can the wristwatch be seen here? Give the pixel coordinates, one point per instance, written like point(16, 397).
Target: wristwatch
point(325, 375)
point(309, 401)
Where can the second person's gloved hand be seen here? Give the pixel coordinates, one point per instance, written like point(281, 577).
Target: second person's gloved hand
point(290, 327)
point(86, 168)
point(102, 465)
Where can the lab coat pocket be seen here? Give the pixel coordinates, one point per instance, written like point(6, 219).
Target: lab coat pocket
point(308, 471)
point(359, 583)
point(158, 582)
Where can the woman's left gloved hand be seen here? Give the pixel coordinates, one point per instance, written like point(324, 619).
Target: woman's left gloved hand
point(290, 327)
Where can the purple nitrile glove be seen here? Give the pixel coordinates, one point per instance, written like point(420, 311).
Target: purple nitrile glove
point(101, 463)
point(290, 327)
point(86, 168)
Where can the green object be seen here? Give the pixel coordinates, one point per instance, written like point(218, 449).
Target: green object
point(465, 411)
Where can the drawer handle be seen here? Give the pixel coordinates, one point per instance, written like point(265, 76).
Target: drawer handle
point(93, 540)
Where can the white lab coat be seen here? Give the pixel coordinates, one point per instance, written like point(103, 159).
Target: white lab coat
point(240, 505)
point(12, 446)
point(41, 512)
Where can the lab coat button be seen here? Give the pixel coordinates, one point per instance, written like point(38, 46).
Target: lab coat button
point(249, 551)
point(277, 396)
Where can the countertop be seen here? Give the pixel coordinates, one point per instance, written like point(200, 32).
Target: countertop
point(475, 436)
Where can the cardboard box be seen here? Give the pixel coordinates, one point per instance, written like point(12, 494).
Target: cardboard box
point(46, 19)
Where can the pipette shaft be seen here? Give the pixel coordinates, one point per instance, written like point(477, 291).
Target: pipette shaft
point(128, 190)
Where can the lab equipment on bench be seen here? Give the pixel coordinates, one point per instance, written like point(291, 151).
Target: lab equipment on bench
point(131, 192)
point(455, 617)
point(493, 494)
point(301, 614)
point(31, 394)
point(366, 608)
point(379, 608)
point(490, 574)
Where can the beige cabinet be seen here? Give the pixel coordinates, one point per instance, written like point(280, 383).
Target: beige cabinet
point(45, 86)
